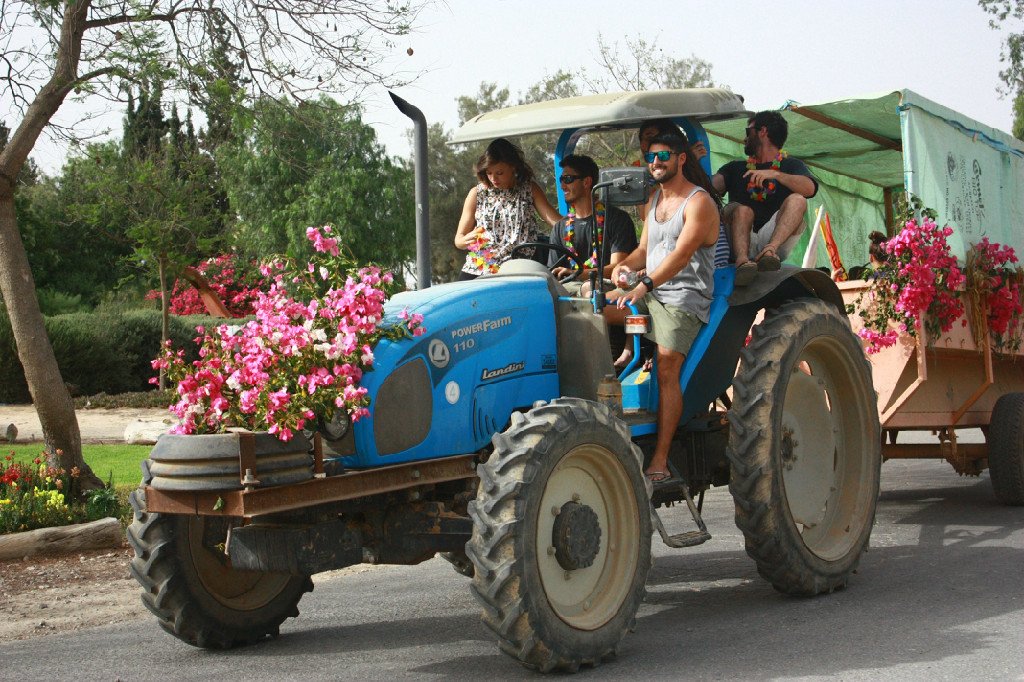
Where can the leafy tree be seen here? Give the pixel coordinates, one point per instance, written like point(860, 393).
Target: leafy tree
point(77, 254)
point(1018, 115)
point(317, 163)
point(219, 84)
point(53, 50)
point(160, 193)
point(144, 123)
point(1005, 12)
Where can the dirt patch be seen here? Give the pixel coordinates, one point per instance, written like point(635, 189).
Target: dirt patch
point(46, 594)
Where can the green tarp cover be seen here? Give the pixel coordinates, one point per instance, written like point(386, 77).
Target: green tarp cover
point(972, 174)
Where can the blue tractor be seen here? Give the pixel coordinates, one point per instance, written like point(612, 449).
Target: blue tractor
point(505, 440)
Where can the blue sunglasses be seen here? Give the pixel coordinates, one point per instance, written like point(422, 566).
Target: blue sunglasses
point(663, 155)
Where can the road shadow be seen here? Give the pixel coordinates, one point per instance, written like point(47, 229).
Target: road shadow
point(944, 566)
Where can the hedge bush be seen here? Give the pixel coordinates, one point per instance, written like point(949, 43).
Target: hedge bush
point(108, 351)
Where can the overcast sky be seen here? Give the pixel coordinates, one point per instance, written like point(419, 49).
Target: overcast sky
point(803, 50)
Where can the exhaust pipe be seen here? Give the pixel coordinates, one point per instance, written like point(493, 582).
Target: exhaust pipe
point(419, 156)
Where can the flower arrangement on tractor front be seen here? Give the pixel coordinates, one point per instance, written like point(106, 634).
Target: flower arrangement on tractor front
point(302, 357)
point(920, 284)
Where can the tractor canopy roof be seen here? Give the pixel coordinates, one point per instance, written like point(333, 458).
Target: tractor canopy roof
point(602, 112)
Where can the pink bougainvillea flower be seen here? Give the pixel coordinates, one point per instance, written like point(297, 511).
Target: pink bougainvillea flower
point(300, 359)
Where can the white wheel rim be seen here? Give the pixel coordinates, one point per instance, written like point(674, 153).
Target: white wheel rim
point(587, 598)
point(827, 480)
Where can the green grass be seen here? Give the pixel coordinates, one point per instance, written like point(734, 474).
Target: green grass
point(117, 462)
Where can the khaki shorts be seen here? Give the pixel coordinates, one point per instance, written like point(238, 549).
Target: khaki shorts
point(760, 239)
point(671, 327)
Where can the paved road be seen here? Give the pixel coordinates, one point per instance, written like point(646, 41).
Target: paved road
point(940, 596)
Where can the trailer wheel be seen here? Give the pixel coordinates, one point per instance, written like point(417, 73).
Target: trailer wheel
point(192, 589)
point(562, 535)
point(1006, 449)
point(805, 448)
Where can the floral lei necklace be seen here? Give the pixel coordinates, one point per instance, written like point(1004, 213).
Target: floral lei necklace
point(767, 187)
point(570, 233)
point(484, 256)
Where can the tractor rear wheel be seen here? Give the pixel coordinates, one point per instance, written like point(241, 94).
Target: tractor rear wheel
point(805, 448)
point(192, 589)
point(562, 535)
point(1006, 449)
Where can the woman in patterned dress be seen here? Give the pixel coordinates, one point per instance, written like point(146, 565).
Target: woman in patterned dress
point(499, 212)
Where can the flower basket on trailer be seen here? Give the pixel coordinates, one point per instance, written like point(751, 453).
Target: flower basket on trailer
point(944, 342)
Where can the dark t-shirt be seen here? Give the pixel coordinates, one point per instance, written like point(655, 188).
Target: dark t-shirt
point(619, 234)
point(736, 187)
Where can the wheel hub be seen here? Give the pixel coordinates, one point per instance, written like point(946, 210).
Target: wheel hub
point(576, 536)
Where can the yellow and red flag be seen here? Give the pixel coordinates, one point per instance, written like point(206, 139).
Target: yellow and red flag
point(833, 250)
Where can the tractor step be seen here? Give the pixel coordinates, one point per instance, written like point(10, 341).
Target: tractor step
point(690, 538)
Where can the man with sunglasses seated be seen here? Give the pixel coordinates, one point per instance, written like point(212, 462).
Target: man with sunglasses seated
point(577, 231)
point(677, 251)
point(768, 196)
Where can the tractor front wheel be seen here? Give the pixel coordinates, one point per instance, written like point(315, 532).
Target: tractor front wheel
point(562, 535)
point(192, 589)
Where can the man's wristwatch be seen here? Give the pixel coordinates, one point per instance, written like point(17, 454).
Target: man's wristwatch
point(646, 281)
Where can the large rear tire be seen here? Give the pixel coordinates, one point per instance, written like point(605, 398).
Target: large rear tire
point(805, 448)
point(192, 589)
point(562, 535)
point(1006, 449)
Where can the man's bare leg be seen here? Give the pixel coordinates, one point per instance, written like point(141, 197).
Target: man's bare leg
point(789, 221)
point(739, 221)
point(670, 406)
point(617, 316)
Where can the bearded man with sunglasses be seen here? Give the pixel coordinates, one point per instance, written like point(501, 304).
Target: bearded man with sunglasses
point(768, 196)
point(677, 251)
point(577, 230)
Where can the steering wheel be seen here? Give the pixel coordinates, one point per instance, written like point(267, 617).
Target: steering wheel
point(568, 258)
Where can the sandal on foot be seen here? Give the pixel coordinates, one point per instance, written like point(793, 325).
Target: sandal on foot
point(660, 479)
point(768, 260)
point(745, 274)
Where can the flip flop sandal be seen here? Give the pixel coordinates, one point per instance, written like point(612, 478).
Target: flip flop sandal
point(661, 479)
point(768, 261)
point(745, 274)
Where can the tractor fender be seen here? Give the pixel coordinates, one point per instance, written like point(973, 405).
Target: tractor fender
point(713, 367)
point(771, 288)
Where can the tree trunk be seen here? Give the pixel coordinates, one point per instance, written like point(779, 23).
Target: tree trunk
point(53, 403)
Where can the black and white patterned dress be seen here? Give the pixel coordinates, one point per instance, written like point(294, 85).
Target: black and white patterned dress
point(508, 217)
